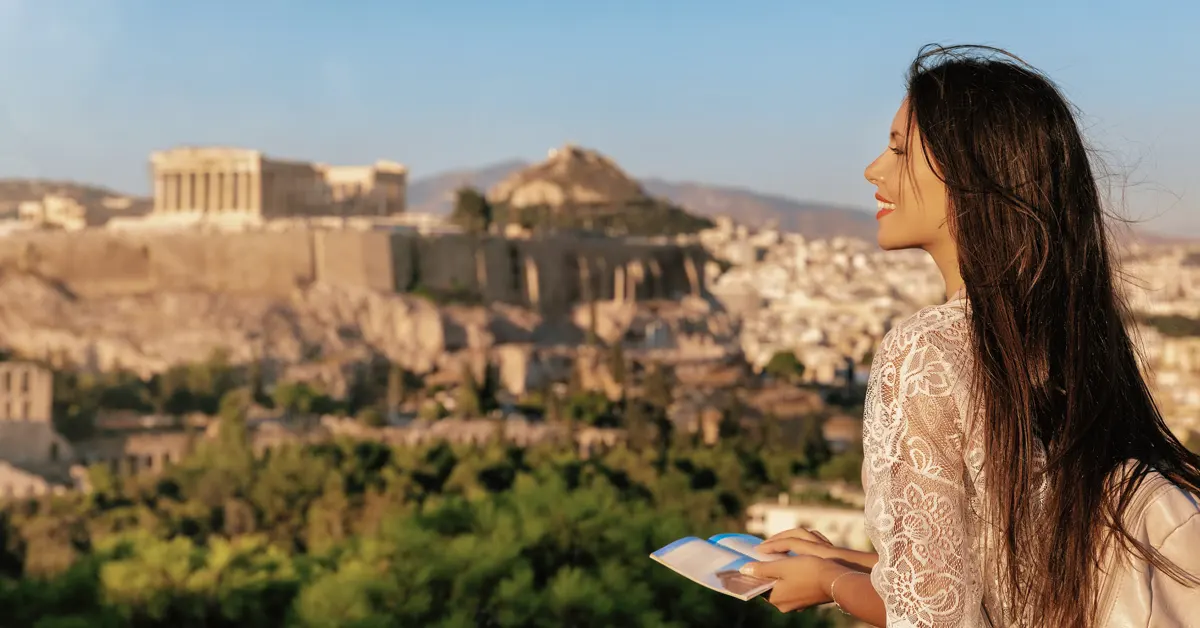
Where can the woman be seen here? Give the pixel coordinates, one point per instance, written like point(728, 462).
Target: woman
point(1017, 470)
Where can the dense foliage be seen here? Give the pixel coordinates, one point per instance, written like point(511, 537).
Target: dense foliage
point(642, 218)
point(646, 217)
point(1172, 325)
point(362, 534)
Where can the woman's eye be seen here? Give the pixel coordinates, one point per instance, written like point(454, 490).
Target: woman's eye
point(896, 150)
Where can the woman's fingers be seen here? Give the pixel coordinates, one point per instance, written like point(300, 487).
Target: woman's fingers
point(792, 544)
point(803, 534)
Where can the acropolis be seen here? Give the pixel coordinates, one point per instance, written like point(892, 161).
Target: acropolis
point(237, 184)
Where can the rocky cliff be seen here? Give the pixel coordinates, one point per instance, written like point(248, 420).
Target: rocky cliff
point(570, 176)
point(579, 188)
point(319, 333)
point(317, 327)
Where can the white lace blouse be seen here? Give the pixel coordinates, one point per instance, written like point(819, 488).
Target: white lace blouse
point(923, 477)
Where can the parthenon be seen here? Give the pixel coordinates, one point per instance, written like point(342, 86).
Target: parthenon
point(243, 182)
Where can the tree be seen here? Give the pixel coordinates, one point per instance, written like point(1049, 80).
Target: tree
point(397, 388)
point(770, 432)
point(616, 364)
point(370, 416)
point(472, 211)
point(638, 425)
point(300, 398)
point(812, 443)
point(846, 466)
point(785, 366)
point(469, 404)
point(658, 387)
point(730, 426)
point(255, 379)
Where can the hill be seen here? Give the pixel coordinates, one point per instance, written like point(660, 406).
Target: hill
point(15, 191)
point(578, 188)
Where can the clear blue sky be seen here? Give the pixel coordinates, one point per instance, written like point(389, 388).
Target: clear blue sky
point(784, 96)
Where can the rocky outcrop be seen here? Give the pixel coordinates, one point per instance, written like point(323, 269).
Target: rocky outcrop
point(324, 333)
point(571, 176)
point(317, 326)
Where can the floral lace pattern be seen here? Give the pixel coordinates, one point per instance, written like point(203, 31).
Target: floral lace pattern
point(922, 472)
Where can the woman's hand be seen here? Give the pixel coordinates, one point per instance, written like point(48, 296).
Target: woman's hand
point(801, 581)
point(799, 541)
point(812, 543)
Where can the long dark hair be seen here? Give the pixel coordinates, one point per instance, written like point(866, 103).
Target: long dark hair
point(1058, 383)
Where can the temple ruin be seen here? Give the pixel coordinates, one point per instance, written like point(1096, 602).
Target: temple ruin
point(237, 183)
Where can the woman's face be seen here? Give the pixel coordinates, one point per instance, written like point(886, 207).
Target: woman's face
point(912, 199)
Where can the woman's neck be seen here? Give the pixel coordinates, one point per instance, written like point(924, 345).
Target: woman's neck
point(945, 256)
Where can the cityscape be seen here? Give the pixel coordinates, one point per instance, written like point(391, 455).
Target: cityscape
point(251, 313)
point(435, 319)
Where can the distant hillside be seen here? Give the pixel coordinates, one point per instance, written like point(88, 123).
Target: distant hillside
point(15, 191)
point(813, 219)
point(435, 194)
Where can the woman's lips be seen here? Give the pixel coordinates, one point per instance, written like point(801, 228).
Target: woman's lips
point(885, 206)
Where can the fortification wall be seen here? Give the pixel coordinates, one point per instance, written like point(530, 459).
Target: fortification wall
point(257, 263)
point(99, 263)
point(404, 261)
point(447, 263)
point(91, 262)
point(550, 274)
point(355, 258)
point(500, 264)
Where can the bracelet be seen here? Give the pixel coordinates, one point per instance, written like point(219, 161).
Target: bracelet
point(833, 584)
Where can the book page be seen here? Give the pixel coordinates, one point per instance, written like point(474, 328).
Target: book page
point(713, 566)
point(745, 544)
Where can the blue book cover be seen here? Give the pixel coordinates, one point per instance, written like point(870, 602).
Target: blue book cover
point(715, 563)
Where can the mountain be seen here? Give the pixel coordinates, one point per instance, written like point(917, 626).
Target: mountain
point(14, 191)
point(813, 219)
point(435, 194)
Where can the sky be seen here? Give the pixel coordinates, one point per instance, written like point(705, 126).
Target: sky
point(789, 97)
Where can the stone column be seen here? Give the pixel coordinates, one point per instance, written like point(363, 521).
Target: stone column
point(202, 184)
point(171, 183)
point(243, 191)
point(215, 201)
point(187, 200)
point(160, 192)
point(231, 191)
point(256, 195)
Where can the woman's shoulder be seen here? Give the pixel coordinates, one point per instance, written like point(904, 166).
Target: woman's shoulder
point(1165, 517)
point(1169, 511)
point(943, 326)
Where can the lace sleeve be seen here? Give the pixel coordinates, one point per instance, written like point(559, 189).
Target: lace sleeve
point(916, 500)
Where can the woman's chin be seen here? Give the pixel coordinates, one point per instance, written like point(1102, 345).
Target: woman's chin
point(891, 242)
point(886, 241)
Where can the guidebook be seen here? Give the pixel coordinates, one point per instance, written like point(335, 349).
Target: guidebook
point(714, 563)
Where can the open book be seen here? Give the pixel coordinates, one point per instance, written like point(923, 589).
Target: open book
point(715, 562)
